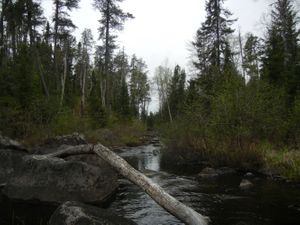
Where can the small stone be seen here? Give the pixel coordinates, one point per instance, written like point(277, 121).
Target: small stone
point(249, 175)
point(246, 184)
point(208, 173)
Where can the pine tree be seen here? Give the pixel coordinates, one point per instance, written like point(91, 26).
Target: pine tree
point(112, 20)
point(211, 38)
point(252, 56)
point(177, 91)
point(139, 87)
point(63, 25)
point(281, 53)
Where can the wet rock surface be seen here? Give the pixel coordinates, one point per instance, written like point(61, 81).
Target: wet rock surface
point(28, 177)
point(246, 184)
point(71, 140)
point(56, 180)
point(10, 161)
point(74, 213)
point(7, 143)
point(209, 172)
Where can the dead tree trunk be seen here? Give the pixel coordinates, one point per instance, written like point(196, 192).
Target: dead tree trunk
point(172, 205)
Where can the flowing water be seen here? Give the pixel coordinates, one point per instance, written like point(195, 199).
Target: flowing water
point(267, 203)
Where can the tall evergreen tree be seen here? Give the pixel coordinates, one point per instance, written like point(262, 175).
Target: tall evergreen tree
point(63, 25)
point(252, 56)
point(177, 91)
point(281, 53)
point(211, 38)
point(139, 87)
point(112, 20)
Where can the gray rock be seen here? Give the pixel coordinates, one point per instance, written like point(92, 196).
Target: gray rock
point(71, 140)
point(74, 213)
point(10, 161)
point(56, 180)
point(208, 173)
point(156, 152)
point(246, 184)
point(213, 173)
point(6, 143)
point(249, 175)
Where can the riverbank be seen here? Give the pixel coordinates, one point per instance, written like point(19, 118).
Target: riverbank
point(116, 134)
point(264, 158)
point(28, 179)
point(267, 202)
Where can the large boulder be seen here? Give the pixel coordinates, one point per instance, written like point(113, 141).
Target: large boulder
point(71, 140)
point(74, 213)
point(10, 161)
point(55, 180)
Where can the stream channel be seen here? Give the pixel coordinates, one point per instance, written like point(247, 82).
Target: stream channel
point(267, 203)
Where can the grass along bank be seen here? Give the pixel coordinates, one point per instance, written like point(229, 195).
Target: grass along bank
point(184, 145)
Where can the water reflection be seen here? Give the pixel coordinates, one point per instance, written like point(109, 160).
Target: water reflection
point(143, 158)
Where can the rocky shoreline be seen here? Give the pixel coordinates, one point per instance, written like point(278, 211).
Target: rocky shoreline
point(88, 183)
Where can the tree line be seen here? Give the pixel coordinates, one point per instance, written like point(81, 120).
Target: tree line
point(47, 76)
point(245, 94)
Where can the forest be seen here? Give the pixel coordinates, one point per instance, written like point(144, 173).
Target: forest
point(240, 109)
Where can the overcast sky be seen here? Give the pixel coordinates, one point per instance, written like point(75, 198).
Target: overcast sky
point(163, 29)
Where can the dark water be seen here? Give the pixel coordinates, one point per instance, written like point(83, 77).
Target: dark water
point(268, 203)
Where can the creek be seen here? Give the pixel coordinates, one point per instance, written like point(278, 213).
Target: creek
point(267, 203)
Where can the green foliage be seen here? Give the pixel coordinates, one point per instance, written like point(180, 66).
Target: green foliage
point(284, 162)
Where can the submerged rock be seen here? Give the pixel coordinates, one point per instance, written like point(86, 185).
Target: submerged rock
point(246, 184)
point(249, 175)
point(74, 213)
point(54, 180)
point(209, 172)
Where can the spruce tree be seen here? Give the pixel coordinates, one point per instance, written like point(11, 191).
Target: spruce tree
point(112, 20)
point(211, 38)
point(252, 56)
point(281, 51)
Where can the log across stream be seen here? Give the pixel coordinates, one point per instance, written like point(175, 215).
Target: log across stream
point(268, 203)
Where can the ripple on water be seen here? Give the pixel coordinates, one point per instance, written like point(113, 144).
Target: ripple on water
point(268, 203)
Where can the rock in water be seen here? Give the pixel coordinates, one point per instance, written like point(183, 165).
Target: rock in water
point(208, 173)
point(74, 213)
point(56, 181)
point(246, 184)
point(213, 173)
point(249, 175)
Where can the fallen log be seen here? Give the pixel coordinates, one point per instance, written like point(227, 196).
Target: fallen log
point(172, 205)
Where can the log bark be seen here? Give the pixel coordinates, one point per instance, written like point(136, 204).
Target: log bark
point(172, 205)
point(169, 203)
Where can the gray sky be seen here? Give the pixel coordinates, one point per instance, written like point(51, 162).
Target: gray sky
point(163, 28)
